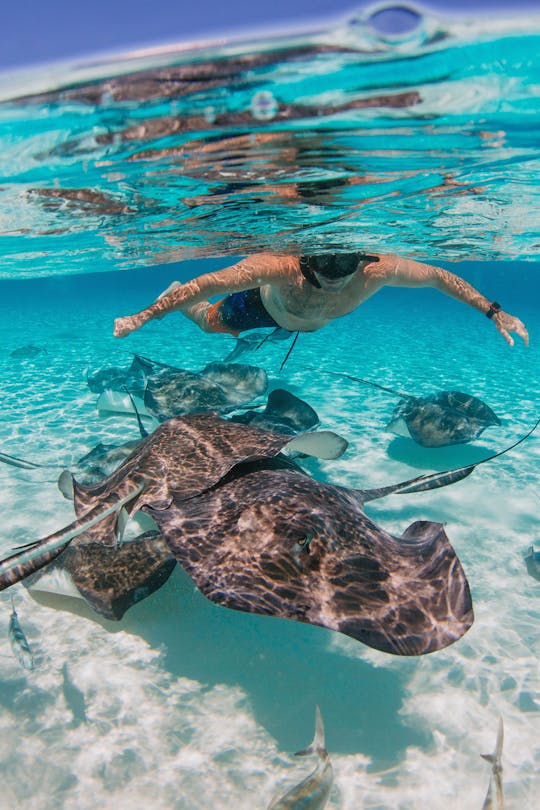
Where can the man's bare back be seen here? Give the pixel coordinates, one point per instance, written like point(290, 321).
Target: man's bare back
point(305, 293)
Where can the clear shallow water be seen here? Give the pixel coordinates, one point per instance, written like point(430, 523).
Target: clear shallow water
point(189, 705)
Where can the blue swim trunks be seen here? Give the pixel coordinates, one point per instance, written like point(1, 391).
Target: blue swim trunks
point(239, 312)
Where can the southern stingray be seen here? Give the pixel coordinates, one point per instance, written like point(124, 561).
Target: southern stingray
point(257, 534)
point(436, 420)
point(283, 413)
point(111, 579)
point(167, 391)
point(27, 352)
point(254, 340)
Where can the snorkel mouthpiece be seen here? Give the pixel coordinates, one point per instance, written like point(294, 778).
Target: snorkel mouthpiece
point(332, 265)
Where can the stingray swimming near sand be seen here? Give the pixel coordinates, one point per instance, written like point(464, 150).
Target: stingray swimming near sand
point(111, 580)
point(167, 391)
point(252, 341)
point(436, 420)
point(283, 413)
point(27, 352)
point(257, 534)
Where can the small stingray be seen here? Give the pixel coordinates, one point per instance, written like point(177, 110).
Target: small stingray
point(284, 413)
point(118, 379)
point(532, 561)
point(174, 392)
point(254, 340)
point(109, 579)
point(437, 420)
point(168, 391)
point(102, 460)
point(27, 352)
point(257, 534)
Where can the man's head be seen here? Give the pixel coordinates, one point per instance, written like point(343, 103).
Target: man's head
point(333, 271)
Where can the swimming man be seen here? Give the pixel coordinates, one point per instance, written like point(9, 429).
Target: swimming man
point(303, 293)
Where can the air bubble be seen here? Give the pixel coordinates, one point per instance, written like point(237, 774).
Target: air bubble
point(263, 105)
point(394, 22)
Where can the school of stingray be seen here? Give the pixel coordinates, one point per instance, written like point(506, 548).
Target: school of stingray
point(215, 484)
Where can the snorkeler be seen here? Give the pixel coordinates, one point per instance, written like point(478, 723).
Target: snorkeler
point(303, 293)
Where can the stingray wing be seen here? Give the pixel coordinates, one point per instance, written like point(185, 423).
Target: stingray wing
point(111, 580)
point(180, 460)
point(276, 542)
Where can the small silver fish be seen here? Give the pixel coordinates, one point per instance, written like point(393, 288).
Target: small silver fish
point(314, 791)
point(488, 801)
point(19, 644)
point(496, 772)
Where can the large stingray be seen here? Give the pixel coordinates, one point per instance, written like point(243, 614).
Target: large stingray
point(439, 419)
point(258, 535)
point(168, 391)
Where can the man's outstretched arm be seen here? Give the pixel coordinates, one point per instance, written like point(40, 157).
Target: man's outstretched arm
point(245, 275)
point(408, 273)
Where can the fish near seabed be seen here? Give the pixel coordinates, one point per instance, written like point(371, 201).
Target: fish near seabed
point(19, 644)
point(495, 778)
point(313, 792)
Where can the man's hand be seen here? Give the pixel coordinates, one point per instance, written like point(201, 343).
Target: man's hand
point(127, 325)
point(506, 323)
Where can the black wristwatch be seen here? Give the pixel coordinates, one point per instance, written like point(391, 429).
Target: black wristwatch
point(493, 308)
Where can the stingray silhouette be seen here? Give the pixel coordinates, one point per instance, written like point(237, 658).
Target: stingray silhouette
point(257, 534)
point(283, 413)
point(111, 579)
point(436, 420)
point(167, 391)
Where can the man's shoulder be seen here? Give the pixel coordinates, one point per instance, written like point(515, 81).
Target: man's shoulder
point(381, 269)
point(267, 268)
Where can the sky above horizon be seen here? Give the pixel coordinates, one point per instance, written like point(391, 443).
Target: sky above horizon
point(41, 31)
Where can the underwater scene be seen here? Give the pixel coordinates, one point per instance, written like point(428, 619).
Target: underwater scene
point(273, 544)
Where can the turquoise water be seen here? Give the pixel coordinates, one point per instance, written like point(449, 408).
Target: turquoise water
point(182, 170)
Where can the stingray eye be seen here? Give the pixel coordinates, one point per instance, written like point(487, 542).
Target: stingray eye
point(303, 542)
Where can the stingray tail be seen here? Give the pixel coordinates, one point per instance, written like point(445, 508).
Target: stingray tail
point(291, 347)
point(15, 461)
point(34, 556)
point(419, 484)
point(440, 479)
point(360, 380)
point(142, 429)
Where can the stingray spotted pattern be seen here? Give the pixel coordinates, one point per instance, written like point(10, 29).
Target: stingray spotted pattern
point(257, 534)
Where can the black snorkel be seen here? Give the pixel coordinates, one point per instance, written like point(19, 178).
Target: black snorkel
point(306, 267)
point(307, 272)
